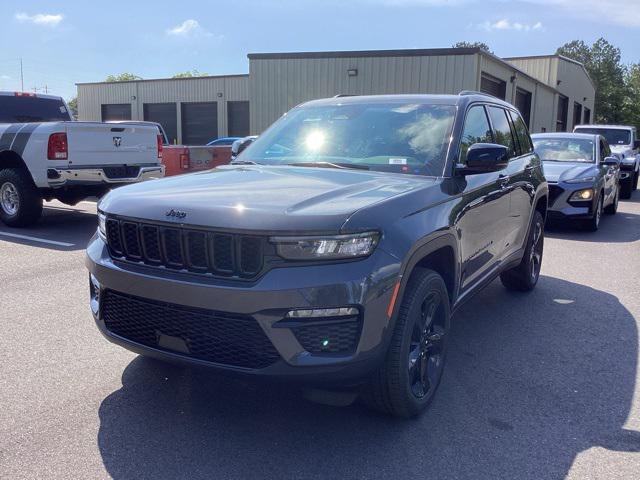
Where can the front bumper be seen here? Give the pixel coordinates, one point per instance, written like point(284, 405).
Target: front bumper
point(366, 285)
point(58, 177)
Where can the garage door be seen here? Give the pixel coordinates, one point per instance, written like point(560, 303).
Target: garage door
point(116, 111)
point(166, 115)
point(199, 122)
point(238, 118)
point(493, 86)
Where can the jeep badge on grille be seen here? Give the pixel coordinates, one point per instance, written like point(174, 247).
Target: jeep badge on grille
point(176, 214)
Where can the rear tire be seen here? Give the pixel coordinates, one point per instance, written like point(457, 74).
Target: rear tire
point(20, 200)
point(406, 383)
point(524, 277)
point(626, 188)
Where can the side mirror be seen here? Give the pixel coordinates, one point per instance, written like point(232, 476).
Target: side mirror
point(484, 158)
point(611, 161)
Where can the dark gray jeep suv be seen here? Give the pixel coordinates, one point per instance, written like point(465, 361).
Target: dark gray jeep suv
point(333, 251)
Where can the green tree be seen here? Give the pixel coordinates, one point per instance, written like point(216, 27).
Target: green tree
point(480, 45)
point(190, 74)
point(632, 103)
point(603, 62)
point(73, 106)
point(122, 77)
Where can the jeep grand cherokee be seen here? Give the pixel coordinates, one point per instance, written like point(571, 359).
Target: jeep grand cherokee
point(334, 250)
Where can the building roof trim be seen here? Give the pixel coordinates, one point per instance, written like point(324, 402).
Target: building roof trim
point(413, 52)
point(561, 57)
point(143, 80)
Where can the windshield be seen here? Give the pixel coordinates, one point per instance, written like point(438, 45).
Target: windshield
point(24, 109)
point(614, 136)
point(565, 149)
point(402, 138)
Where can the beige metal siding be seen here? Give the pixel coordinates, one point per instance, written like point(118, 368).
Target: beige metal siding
point(277, 85)
point(232, 88)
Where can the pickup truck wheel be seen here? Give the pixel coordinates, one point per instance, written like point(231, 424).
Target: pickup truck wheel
point(524, 277)
point(626, 188)
point(20, 201)
point(406, 383)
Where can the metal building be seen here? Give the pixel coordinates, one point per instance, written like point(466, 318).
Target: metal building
point(553, 93)
point(279, 81)
point(576, 89)
point(192, 111)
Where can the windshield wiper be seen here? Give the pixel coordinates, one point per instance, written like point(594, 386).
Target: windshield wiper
point(352, 166)
point(244, 162)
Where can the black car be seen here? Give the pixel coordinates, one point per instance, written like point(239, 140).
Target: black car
point(583, 176)
point(335, 252)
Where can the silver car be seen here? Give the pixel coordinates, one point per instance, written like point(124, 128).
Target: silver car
point(583, 176)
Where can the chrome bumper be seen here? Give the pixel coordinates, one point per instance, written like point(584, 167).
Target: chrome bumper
point(94, 176)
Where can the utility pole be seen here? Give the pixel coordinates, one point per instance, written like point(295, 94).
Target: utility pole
point(21, 77)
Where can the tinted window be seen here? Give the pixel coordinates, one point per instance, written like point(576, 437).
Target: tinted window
point(614, 136)
point(502, 129)
point(32, 109)
point(607, 150)
point(522, 133)
point(476, 130)
point(567, 149)
point(394, 137)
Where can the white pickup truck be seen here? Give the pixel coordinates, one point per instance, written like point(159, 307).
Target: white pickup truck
point(44, 155)
point(624, 143)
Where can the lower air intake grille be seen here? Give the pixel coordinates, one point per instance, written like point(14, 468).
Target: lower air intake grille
point(554, 192)
point(226, 339)
point(329, 338)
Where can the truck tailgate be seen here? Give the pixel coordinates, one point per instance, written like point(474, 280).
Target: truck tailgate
point(94, 144)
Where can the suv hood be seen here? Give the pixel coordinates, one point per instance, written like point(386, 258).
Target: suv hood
point(561, 171)
point(261, 198)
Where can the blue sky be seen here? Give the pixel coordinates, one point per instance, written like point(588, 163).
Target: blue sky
point(65, 42)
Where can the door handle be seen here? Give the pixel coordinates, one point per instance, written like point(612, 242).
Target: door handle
point(503, 180)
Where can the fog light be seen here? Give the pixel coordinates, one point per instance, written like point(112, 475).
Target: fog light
point(323, 312)
point(582, 195)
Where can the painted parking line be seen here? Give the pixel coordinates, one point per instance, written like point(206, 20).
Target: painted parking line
point(36, 239)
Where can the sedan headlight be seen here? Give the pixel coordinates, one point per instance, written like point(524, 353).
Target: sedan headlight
point(581, 180)
point(582, 195)
point(102, 225)
point(326, 247)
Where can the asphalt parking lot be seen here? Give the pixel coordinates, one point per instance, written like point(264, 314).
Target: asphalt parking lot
point(543, 385)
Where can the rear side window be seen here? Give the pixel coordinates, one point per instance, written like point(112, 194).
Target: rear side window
point(24, 109)
point(526, 146)
point(502, 129)
point(605, 151)
point(476, 130)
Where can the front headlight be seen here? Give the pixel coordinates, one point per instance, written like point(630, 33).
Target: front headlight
point(581, 180)
point(582, 195)
point(102, 225)
point(329, 247)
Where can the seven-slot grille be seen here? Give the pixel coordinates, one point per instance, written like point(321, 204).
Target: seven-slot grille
point(198, 251)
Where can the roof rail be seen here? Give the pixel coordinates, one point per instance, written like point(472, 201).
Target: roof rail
point(465, 93)
point(340, 95)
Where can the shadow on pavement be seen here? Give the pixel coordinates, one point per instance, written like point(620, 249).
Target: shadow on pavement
point(619, 228)
point(60, 228)
point(532, 381)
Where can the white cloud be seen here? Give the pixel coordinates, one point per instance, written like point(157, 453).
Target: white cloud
point(505, 24)
point(46, 19)
point(188, 28)
point(619, 12)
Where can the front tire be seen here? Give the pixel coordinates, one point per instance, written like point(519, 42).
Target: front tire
point(406, 383)
point(20, 201)
point(626, 188)
point(613, 208)
point(593, 224)
point(524, 277)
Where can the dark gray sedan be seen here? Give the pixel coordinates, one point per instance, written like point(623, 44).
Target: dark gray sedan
point(583, 176)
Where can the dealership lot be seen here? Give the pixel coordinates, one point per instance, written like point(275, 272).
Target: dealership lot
point(537, 386)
